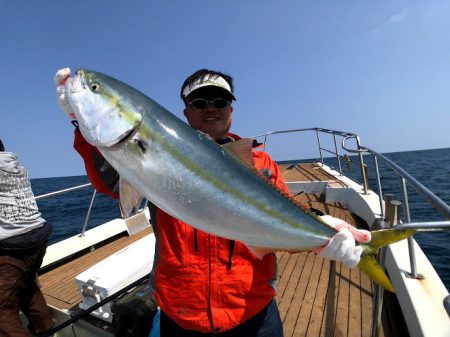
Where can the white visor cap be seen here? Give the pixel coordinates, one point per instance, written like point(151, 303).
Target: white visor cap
point(206, 80)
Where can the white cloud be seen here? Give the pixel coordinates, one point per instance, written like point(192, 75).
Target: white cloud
point(399, 17)
point(392, 20)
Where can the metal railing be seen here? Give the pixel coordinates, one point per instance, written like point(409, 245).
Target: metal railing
point(405, 179)
point(334, 152)
point(432, 199)
point(70, 189)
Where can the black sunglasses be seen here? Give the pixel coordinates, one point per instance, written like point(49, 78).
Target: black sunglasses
point(201, 103)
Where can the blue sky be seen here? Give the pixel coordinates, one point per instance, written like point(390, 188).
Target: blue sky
point(377, 68)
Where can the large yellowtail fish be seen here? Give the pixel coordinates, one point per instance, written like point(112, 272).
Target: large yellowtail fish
point(186, 174)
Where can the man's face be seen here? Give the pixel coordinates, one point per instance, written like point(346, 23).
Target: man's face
point(214, 121)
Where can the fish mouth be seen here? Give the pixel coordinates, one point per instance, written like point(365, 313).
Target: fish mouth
point(103, 118)
point(77, 85)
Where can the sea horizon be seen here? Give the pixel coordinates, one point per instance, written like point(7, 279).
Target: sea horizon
point(312, 158)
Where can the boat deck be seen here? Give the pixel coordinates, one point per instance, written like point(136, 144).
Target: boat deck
point(308, 172)
point(316, 297)
point(58, 284)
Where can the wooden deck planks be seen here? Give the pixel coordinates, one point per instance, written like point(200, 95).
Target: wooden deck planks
point(58, 284)
point(366, 303)
point(298, 300)
point(354, 313)
point(324, 298)
point(320, 298)
point(288, 278)
point(342, 312)
point(319, 306)
point(303, 320)
point(307, 172)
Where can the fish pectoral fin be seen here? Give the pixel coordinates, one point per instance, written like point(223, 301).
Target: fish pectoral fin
point(130, 199)
point(259, 252)
point(242, 150)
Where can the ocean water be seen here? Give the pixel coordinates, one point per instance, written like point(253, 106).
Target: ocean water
point(67, 212)
point(432, 169)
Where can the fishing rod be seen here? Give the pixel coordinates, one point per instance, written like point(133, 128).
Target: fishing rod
point(85, 312)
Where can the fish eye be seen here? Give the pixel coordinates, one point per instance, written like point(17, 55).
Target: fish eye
point(95, 87)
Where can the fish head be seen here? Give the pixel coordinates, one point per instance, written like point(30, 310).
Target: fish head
point(103, 108)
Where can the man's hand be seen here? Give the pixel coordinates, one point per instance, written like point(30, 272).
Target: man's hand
point(60, 78)
point(342, 246)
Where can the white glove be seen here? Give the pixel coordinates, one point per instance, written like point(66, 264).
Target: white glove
point(60, 78)
point(342, 246)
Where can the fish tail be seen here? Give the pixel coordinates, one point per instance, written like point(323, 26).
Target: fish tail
point(369, 264)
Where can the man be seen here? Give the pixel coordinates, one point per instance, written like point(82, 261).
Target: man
point(23, 242)
point(204, 284)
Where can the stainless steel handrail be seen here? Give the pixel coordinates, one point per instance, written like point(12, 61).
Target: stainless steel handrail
point(336, 132)
point(83, 230)
point(426, 226)
point(42, 196)
point(406, 178)
point(434, 201)
point(343, 134)
point(70, 189)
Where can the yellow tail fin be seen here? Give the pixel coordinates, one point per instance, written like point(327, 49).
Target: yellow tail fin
point(368, 263)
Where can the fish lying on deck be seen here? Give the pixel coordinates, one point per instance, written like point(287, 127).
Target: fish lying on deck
point(186, 174)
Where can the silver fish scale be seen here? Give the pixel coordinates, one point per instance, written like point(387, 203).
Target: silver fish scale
point(192, 178)
point(215, 204)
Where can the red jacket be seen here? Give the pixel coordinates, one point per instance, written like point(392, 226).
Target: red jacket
point(203, 282)
point(101, 175)
point(207, 283)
